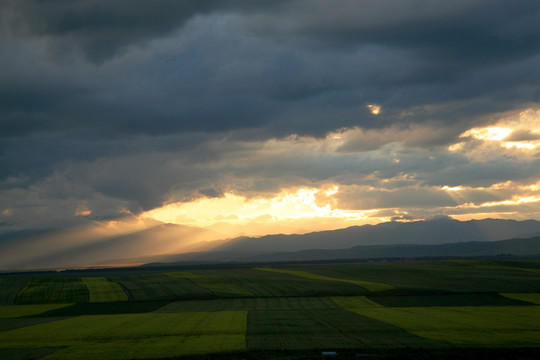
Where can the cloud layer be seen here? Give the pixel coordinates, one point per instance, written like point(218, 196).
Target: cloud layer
point(109, 109)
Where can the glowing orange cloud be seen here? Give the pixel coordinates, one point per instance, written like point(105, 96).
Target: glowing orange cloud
point(285, 207)
point(501, 133)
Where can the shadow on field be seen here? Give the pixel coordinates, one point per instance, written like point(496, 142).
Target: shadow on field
point(394, 354)
point(106, 308)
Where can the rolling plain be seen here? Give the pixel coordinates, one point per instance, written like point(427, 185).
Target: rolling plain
point(418, 309)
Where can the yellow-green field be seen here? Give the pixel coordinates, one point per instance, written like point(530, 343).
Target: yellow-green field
point(134, 336)
point(15, 311)
point(433, 308)
point(352, 302)
point(533, 298)
point(102, 290)
point(478, 326)
point(217, 284)
point(369, 285)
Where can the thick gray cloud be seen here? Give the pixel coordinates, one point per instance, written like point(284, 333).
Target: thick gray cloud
point(100, 29)
point(124, 105)
point(161, 67)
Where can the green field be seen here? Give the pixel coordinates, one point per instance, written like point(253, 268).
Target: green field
point(16, 311)
point(263, 304)
point(459, 276)
point(431, 309)
point(9, 288)
point(216, 284)
point(102, 290)
point(478, 326)
point(533, 298)
point(368, 285)
point(134, 336)
point(46, 291)
point(161, 286)
point(270, 284)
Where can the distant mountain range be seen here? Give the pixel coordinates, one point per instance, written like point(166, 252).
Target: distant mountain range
point(435, 231)
point(436, 237)
point(169, 243)
point(516, 247)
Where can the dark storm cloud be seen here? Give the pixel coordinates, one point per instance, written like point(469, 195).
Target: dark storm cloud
point(101, 28)
point(303, 67)
point(39, 155)
point(127, 104)
point(460, 32)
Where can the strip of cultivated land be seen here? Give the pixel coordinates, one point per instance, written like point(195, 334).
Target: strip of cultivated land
point(422, 308)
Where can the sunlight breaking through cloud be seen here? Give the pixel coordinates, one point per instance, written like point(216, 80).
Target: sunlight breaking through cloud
point(374, 108)
point(292, 204)
point(521, 132)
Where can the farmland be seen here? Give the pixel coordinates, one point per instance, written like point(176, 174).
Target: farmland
point(432, 307)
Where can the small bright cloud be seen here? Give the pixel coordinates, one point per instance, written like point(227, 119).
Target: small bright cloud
point(83, 211)
point(519, 132)
point(452, 188)
point(488, 133)
point(375, 109)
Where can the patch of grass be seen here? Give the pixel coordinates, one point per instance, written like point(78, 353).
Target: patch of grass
point(264, 283)
point(15, 311)
point(162, 287)
point(328, 329)
point(108, 308)
point(153, 348)
point(533, 298)
point(354, 302)
point(47, 291)
point(426, 300)
point(27, 353)
point(436, 275)
point(216, 284)
point(485, 326)
point(266, 304)
point(487, 264)
point(369, 285)
point(10, 324)
point(135, 336)
point(9, 288)
point(102, 290)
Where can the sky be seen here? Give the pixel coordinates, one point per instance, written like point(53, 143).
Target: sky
point(267, 116)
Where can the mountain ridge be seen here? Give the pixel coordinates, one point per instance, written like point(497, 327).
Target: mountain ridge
point(158, 242)
point(435, 231)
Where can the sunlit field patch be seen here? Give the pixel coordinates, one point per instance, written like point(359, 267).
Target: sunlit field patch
point(369, 285)
point(102, 290)
point(480, 326)
point(135, 336)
